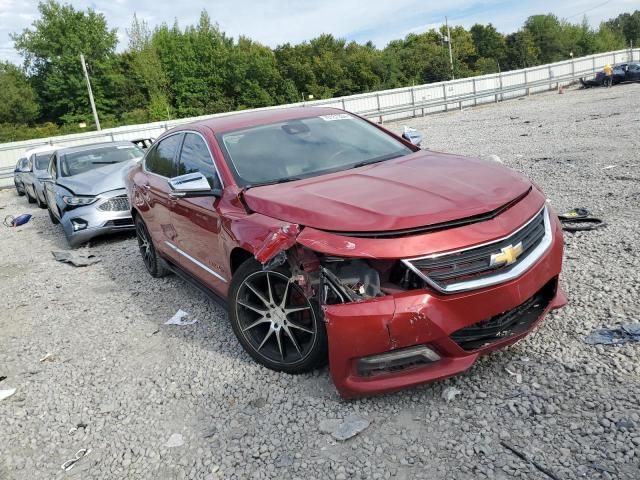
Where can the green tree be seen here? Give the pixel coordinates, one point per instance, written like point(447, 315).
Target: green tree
point(628, 24)
point(18, 104)
point(522, 52)
point(491, 47)
point(52, 48)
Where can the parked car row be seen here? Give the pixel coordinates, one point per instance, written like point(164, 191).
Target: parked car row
point(332, 238)
point(82, 187)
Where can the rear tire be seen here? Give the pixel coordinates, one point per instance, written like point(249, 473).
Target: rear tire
point(19, 192)
point(40, 204)
point(30, 199)
point(153, 263)
point(274, 322)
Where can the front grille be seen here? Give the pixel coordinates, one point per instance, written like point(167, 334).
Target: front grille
point(442, 271)
point(115, 204)
point(120, 222)
point(507, 324)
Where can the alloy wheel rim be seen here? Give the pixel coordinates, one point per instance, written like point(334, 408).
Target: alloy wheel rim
point(276, 318)
point(146, 249)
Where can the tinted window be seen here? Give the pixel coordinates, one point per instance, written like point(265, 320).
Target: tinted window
point(195, 158)
point(306, 147)
point(42, 161)
point(159, 160)
point(75, 163)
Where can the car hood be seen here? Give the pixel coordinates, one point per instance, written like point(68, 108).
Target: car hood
point(98, 180)
point(417, 190)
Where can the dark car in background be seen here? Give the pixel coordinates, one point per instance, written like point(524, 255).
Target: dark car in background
point(622, 72)
point(18, 175)
point(38, 163)
point(85, 192)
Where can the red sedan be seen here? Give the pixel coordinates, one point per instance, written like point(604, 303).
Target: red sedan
point(332, 238)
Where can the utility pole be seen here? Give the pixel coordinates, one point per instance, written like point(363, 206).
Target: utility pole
point(446, 22)
point(93, 104)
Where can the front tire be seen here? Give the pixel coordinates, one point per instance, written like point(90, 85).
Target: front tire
point(152, 261)
point(52, 217)
point(40, 203)
point(30, 199)
point(276, 324)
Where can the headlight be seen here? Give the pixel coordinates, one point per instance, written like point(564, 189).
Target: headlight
point(78, 201)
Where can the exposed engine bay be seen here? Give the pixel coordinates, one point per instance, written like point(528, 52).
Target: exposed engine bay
point(334, 280)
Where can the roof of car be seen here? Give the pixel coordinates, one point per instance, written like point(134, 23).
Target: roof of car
point(235, 121)
point(43, 149)
point(92, 146)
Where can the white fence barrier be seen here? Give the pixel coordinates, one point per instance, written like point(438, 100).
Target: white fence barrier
point(383, 105)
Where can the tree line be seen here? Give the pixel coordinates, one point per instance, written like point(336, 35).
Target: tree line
point(168, 71)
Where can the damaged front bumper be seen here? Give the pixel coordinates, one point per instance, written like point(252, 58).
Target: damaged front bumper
point(432, 335)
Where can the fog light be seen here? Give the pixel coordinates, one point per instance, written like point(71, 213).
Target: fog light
point(396, 360)
point(78, 224)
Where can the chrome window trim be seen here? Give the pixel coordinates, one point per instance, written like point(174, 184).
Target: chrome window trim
point(491, 280)
point(196, 261)
point(184, 132)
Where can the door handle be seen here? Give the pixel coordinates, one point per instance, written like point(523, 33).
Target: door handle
point(176, 195)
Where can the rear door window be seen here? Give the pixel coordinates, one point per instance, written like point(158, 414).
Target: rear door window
point(161, 157)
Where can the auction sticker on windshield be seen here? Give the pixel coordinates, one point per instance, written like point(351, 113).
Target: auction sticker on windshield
point(337, 116)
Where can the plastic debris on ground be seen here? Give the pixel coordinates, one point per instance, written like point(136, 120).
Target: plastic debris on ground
point(175, 440)
point(180, 319)
point(76, 259)
point(342, 430)
point(69, 464)
point(450, 393)
point(619, 335)
point(6, 393)
point(11, 221)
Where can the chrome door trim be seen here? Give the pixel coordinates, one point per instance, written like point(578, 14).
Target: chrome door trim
point(196, 261)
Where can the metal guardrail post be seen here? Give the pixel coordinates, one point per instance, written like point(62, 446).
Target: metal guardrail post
point(413, 101)
point(526, 83)
point(444, 94)
point(343, 106)
point(475, 92)
point(593, 63)
point(378, 103)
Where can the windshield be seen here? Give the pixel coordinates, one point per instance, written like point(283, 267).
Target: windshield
point(80, 162)
point(42, 161)
point(306, 147)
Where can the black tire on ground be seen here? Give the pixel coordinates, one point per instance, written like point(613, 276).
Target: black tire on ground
point(40, 204)
point(154, 264)
point(20, 192)
point(52, 217)
point(274, 322)
point(30, 199)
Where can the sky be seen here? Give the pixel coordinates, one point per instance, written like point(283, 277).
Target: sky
point(274, 22)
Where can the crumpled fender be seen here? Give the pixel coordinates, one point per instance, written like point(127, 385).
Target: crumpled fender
point(264, 236)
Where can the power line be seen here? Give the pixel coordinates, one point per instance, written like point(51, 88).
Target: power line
point(589, 9)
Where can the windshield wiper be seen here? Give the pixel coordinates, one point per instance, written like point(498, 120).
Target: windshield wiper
point(272, 182)
point(382, 158)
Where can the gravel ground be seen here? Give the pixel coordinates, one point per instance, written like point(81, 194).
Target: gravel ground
point(164, 402)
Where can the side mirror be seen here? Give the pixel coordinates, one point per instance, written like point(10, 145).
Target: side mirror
point(412, 135)
point(192, 184)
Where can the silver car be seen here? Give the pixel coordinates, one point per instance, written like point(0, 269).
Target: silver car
point(33, 180)
point(85, 192)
